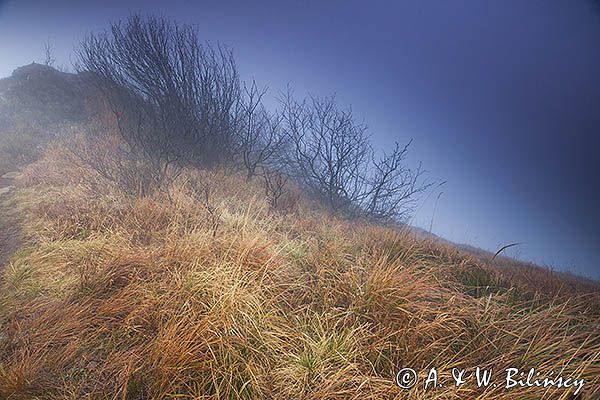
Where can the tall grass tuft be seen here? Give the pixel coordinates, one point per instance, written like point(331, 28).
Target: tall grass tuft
point(208, 292)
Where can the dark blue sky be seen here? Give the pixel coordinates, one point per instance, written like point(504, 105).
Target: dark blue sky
point(502, 98)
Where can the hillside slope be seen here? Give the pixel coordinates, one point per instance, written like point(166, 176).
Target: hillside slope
point(219, 296)
point(207, 291)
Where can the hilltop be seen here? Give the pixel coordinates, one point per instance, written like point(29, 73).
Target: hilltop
point(40, 96)
point(37, 104)
point(211, 290)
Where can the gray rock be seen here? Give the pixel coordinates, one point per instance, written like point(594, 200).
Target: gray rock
point(5, 190)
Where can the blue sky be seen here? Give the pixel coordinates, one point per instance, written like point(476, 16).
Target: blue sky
point(502, 98)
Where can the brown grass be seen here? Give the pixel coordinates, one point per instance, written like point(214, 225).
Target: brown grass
point(188, 296)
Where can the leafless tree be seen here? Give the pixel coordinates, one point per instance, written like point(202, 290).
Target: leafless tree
point(259, 136)
point(49, 54)
point(392, 187)
point(329, 153)
point(173, 94)
point(132, 170)
point(275, 182)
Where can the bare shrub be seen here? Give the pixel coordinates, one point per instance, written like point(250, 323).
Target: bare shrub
point(203, 190)
point(258, 132)
point(274, 185)
point(178, 102)
point(329, 153)
point(49, 58)
point(131, 170)
point(174, 96)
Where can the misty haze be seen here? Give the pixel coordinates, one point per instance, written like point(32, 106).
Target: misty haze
point(275, 200)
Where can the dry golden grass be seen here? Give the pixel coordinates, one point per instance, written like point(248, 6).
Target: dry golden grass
point(189, 296)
